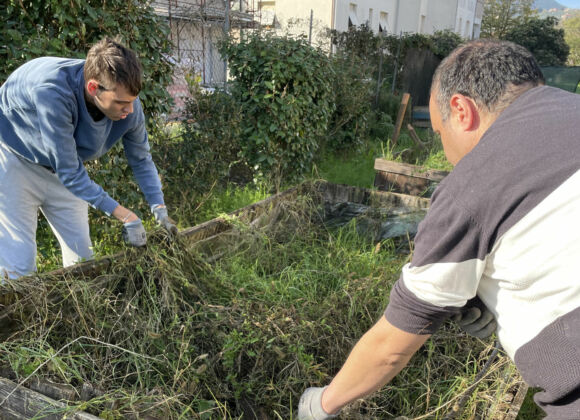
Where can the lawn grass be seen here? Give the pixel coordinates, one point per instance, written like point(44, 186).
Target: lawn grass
point(355, 169)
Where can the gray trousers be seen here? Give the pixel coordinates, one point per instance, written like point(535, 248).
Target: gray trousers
point(24, 189)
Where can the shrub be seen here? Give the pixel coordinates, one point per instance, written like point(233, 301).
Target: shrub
point(352, 98)
point(283, 87)
point(210, 142)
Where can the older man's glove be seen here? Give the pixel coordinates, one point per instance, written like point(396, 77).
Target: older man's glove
point(134, 233)
point(310, 405)
point(476, 320)
point(160, 213)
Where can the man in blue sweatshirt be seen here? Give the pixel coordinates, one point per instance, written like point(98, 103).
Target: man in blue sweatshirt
point(55, 114)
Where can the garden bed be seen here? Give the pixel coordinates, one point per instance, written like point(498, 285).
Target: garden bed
point(406, 178)
point(237, 316)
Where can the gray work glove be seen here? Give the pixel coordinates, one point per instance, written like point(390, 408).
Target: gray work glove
point(310, 405)
point(477, 321)
point(134, 233)
point(160, 213)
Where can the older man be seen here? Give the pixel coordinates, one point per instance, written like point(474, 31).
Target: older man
point(504, 227)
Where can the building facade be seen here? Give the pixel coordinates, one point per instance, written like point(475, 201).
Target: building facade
point(388, 16)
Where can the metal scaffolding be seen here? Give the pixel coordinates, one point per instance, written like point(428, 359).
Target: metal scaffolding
point(197, 27)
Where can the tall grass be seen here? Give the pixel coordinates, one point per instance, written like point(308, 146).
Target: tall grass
point(231, 326)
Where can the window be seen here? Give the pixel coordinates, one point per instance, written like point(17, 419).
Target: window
point(422, 24)
point(352, 19)
point(370, 20)
point(383, 22)
point(267, 13)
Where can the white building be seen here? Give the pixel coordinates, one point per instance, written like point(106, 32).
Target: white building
point(390, 16)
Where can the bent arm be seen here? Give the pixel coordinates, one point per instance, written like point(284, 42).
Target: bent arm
point(381, 353)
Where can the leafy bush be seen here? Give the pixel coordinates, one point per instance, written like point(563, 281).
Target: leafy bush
point(359, 41)
point(283, 87)
point(210, 142)
point(443, 42)
point(67, 28)
point(361, 61)
point(352, 98)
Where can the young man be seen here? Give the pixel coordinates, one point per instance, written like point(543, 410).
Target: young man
point(503, 226)
point(55, 114)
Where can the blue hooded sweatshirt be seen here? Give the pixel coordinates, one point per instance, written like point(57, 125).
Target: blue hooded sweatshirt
point(44, 119)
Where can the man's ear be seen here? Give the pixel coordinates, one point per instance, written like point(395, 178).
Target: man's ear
point(92, 87)
point(464, 112)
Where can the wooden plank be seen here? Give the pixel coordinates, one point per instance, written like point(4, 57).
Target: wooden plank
point(400, 116)
point(385, 165)
point(517, 402)
point(403, 184)
point(16, 400)
point(53, 390)
point(336, 193)
point(415, 137)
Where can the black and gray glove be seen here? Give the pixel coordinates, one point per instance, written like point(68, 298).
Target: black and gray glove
point(134, 233)
point(310, 405)
point(160, 214)
point(476, 320)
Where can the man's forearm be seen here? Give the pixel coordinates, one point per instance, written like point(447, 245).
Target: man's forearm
point(377, 357)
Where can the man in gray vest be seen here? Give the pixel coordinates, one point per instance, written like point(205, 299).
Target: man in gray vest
point(503, 227)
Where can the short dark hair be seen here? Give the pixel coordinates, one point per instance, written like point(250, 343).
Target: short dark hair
point(491, 72)
point(111, 63)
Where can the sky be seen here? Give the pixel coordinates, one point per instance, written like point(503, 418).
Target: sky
point(575, 4)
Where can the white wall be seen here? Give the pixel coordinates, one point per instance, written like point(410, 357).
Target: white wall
point(466, 18)
point(441, 15)
point(365, 9)
point(293, 17)
point(391, 16)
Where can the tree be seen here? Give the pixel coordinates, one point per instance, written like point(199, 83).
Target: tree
point(501, 16)
point(572, 36)
point(67, 28)
point(543, 39)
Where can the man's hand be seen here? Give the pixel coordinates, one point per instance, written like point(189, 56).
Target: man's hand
point(134, 233)
point(476, 321)
point(160, 213)
point(310, 405)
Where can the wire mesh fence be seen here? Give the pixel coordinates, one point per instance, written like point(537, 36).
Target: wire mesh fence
point(196, 29)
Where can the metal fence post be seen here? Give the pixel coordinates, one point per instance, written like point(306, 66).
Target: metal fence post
point(397, 63)
point(226, 33)
point(379, 76)
point(310, 32)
